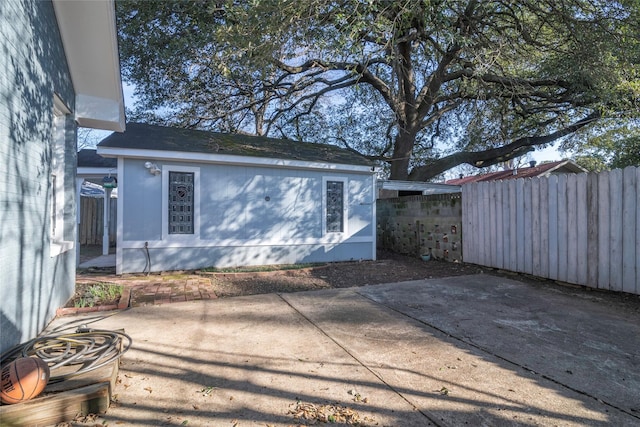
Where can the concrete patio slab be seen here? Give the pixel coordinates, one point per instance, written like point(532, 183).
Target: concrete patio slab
point(571, 336)
point(473, 350)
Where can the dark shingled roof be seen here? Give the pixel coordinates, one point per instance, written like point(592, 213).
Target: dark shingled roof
point(151, 137)
point(91, 159)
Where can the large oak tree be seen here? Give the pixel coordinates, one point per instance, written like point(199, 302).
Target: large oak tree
point(492, 79)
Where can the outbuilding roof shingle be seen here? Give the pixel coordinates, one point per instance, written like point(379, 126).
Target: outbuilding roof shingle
point(152, 137)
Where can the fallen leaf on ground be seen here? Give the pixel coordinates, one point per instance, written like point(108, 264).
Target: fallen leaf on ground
point(207, 390)
point(332, 413)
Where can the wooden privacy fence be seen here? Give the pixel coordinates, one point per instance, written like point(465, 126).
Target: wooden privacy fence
point(582, 229)
point(91, 221)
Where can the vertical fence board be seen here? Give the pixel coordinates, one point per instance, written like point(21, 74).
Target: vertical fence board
point(562, 227)
point(486, 212)
point(528, 229)
point(544, 227)
point(484, 218)
point(476, 222)
point(493, 245)
point(470, 232)
point(513, 234)
point(520, 224)
point(85, 220)
point(96, 224)
point(629, 213)
point(615, 260)
point(572, 231)
point(582, 257)
point(535, 227)
point(637, 291)
point(553, 227)
point(81, 234)
point(593, 239)
point(604, 220)
point(499, 226)
point(467, 241)
point(113, 220)
point(477, 228)
point(506, 226)
point(467, 229)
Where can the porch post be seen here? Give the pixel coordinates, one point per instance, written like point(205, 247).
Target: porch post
point(105, 221)
point(79, 182)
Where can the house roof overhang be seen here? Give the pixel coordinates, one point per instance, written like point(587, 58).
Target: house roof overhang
point(88, 30)
point(181, 156)
point(566, 166)
point(161, 143)
point(425, 187)
point(90, 172)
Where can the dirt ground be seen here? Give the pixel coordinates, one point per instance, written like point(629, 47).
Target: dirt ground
point(388, 268)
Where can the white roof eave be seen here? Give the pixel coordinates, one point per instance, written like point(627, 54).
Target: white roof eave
point(88, 30)
point(92, 172)
point(183, 156)
point(425, 187)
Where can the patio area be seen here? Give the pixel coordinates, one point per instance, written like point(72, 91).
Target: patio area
point(469, 350)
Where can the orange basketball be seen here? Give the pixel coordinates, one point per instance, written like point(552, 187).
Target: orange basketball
point(23, 379)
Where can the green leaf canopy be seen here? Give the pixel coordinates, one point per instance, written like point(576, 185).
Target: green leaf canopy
point(434, 84)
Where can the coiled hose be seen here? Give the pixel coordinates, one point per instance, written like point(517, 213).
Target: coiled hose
point(75, 353)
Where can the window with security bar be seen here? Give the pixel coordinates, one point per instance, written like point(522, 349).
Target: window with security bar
point(335, 207)
point(181, 196)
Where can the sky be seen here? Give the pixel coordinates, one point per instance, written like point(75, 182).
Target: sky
point(547, 154)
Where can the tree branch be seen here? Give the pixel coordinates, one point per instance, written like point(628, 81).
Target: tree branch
point(492, 156)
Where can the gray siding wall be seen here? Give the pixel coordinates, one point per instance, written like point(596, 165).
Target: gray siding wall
point(32, 68)
point(248, 216)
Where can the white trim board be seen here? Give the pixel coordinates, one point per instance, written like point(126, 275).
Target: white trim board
point(230, 159)
point(162, 244)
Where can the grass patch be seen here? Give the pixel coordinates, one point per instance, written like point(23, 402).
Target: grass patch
point(106, 291)
point(95, 294)
point(261, 268)
point(83, 302)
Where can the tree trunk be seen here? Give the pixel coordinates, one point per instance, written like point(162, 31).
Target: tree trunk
point(402, 149)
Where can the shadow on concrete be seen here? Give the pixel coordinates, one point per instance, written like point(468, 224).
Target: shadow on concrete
point(456, 351)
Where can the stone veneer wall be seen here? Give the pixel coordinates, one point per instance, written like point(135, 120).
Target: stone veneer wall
point(418, 225)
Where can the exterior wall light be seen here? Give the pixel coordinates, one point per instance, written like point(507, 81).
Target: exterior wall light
point(153, 168)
